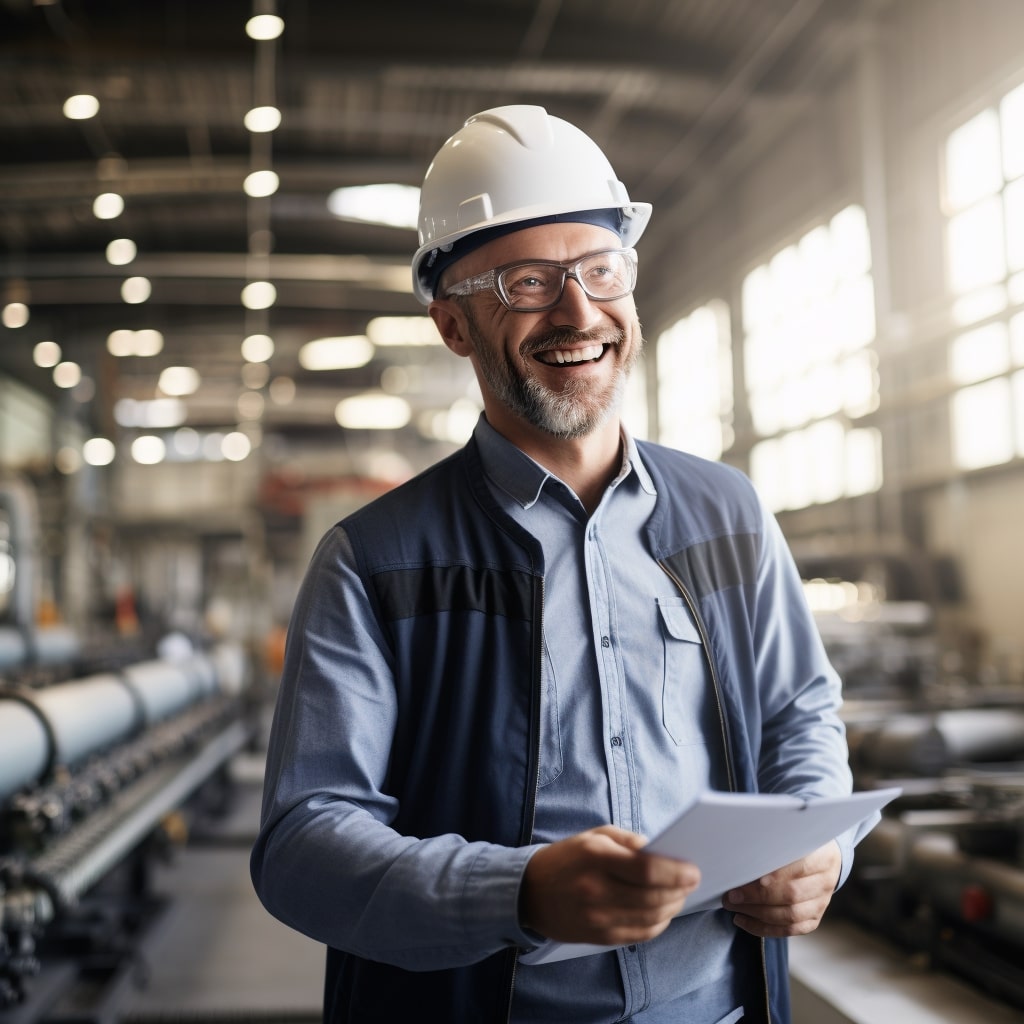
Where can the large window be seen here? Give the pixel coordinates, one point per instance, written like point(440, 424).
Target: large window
point(984, 205)
point(695, 382)
point(811, 369)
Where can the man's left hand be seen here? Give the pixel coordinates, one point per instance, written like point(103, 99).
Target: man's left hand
point(789, 901)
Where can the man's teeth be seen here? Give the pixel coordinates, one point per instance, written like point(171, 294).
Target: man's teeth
point(574, 355)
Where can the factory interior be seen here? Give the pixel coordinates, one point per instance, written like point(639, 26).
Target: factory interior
point(210, 352)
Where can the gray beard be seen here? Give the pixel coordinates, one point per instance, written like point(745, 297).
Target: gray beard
point(573, 412)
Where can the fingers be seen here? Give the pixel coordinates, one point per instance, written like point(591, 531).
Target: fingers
point(648, 870)
point(790, 901)
point(599, 887)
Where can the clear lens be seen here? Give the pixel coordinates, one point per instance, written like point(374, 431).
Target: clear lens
point(603, 276)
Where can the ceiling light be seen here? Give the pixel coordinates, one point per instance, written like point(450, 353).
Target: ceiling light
point(336, 353)
point(212, 447)
point(67, 375)
point(136, 290)
point(388, 466)
point(178, 380)
point(46, 354)
point(394, 205)
point(154, 413)
point(123, 342)
point(15, 315)
point(255, 375)
point(235, 446)
point(121, 251)
point(148, 342)
point(259, 295)
point(107, 206)
point(282, 390)
point(257, 348)
point(260, 184)
point(250, 405)
point(264, 27)
point(403, 330)
point(98, 451)
point(81, 107)
point(148, 450)
point(461, 420)
point(373, 411)
point(185, 442)
point(67, 460)
point(262, 119)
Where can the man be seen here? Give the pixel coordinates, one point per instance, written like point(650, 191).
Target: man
point(503, 674)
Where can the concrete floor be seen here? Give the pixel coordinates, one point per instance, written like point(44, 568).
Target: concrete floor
point(842, 975)
point(216, 954)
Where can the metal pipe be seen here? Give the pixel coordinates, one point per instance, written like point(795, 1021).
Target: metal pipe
point(24, 747)
point(930, 744)
point(66, 723)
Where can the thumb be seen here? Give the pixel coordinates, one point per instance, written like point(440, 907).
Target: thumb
point(630, 840)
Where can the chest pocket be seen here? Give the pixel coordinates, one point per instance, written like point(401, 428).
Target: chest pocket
point(686, 680)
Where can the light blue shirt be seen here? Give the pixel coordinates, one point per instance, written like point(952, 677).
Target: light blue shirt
point(627, 735)
point(629, 731)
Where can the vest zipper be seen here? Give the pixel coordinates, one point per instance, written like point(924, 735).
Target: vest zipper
point(730, 775)
point(538, 662)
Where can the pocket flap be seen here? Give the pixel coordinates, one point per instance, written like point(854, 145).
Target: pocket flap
point(679, 623)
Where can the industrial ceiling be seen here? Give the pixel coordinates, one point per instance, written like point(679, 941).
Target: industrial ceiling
point(678, 92)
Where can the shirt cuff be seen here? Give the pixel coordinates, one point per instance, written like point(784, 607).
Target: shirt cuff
point(492, 893)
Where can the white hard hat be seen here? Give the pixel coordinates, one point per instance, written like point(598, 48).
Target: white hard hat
point(506, 166)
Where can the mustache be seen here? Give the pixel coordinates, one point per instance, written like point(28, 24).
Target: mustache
point(567, 337)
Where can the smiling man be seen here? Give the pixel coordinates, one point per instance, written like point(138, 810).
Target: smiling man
point(500, 676)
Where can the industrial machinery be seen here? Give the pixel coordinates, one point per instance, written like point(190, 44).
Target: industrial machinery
point(942, 875)
point(105, 758)
point(91, 770)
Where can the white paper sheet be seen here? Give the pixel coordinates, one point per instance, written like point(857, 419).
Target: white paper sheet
point(735, 838)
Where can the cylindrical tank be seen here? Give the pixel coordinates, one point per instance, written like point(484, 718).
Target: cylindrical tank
point(24, 746)
point(88, 715)
point(66, 723)
point(929, 744)
point(162, 688)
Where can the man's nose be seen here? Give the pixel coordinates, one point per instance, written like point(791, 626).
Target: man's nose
point(575, 308)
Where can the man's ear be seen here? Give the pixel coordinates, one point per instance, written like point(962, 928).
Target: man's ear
point(451, 324)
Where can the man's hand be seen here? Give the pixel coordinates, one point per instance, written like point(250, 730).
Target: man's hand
point(789, 901)
point(598, 887)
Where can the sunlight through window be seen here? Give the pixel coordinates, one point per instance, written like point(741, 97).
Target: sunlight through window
point(984, 201)
point(982, 426)
point(695, 382)
point(809, 320)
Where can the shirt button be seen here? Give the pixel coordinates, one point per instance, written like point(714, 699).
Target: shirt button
point(605, 642)
point(616, 741)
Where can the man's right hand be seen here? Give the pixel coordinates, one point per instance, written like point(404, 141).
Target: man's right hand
point(599, 887)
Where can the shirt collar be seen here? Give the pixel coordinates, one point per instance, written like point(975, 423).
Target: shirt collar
point(522, 479)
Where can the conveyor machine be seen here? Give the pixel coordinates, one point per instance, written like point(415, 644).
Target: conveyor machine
point(89, 769)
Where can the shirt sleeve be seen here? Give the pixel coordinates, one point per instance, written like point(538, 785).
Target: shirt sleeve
point(803, 738)
point(327, 861)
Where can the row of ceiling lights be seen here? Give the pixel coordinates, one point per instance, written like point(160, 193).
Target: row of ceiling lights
point(174, 381)
point(389, 203)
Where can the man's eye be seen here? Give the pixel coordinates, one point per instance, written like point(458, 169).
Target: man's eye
point(527, 281)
